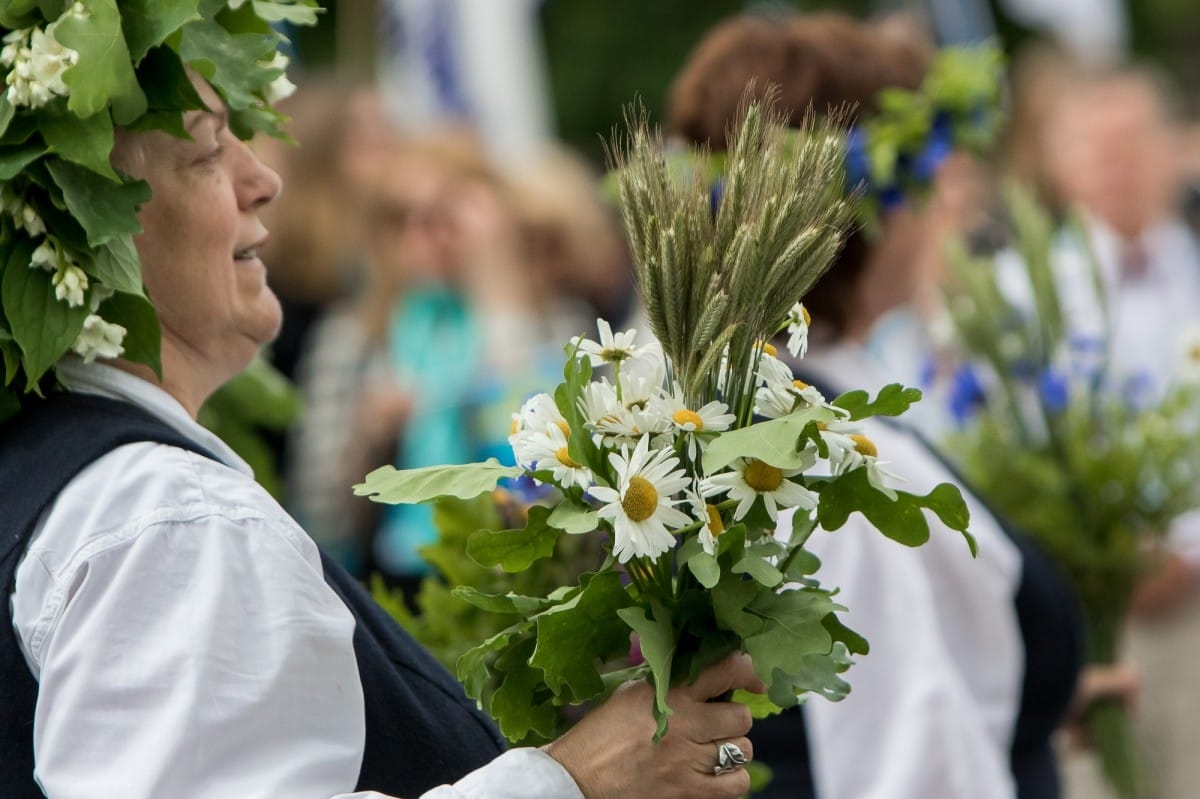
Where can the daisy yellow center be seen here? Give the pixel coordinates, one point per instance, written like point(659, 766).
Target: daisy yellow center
point(565, 459)
point(613, 355)
point(565, 428)
point(822, 426)
point(516, 424)
point(799, 385)
point(769, 349)
point(715, 525)
point(805, 316)
point(762, 477)
point(640, 500)
point(864, 445)
point(683, 417)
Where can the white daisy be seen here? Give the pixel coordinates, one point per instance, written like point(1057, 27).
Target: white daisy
point(751, 478)
point(863, 454)
point(798, 322)
point(640, 509)
point(615, 423)
point(528, 437)
point(612, 348)
point(779, 399)
point(1189, 355)
point(547, 450)
point(699, 426)
point(711, 525)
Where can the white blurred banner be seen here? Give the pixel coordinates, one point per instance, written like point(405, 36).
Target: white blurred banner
point(480, 62)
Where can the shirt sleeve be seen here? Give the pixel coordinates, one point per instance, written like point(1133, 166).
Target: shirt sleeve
point(910, 727)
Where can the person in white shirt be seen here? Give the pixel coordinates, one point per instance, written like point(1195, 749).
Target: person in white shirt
point(973, 661)
point(184, 633)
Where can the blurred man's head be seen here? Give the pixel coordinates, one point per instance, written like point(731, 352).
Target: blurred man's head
point(1112, 149)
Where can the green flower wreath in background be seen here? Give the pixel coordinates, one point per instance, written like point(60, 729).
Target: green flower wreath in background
point(70, 279)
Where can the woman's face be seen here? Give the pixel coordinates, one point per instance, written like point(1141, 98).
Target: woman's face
point(200, 242)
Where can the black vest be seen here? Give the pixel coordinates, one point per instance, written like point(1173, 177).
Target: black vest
point(421, 729)
point(1052, 632)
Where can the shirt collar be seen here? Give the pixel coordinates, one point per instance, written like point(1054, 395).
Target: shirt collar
point(107, 381)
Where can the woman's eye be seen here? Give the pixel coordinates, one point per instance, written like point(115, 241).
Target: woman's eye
point(212, 155)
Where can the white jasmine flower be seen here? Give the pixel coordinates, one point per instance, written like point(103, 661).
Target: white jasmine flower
point(611, 348)
point(70, 285)
point(45, 257)
point(98, 339)
point(751, 478)
point(281, 88)
point(798, 322)
point(37, 61)
point(699, 426)
point(640, 509)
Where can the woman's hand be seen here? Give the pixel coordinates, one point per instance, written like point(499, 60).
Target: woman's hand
point(611, 754)
point(1115, 681)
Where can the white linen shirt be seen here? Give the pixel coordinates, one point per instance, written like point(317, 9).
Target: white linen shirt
point(933, 707)
point(185, 642)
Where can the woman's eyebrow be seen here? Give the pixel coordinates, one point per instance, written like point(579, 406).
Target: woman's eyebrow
point(220, 120)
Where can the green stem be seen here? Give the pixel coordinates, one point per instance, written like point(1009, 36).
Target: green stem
point(1117, 746)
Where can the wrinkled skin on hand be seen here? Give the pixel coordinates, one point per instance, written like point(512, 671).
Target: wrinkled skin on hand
point(611, 753)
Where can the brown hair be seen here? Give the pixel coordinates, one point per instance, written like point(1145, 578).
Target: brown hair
point(821, 64)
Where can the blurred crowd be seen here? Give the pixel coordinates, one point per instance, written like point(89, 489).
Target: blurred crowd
point(428, 289)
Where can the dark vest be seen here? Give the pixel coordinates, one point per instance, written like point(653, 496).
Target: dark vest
point(421, 729)
point(1051, 624)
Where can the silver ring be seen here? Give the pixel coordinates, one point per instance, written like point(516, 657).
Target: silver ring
point(729, 758)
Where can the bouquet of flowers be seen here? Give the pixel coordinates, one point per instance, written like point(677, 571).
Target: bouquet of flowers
point(1092, 477)
point(680, 454)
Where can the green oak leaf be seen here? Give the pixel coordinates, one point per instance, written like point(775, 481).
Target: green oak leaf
point(574, 637)
point(656, 636)
point(818, 674)
point(232, 63)
point(86, 142)
point(773, 442)
point(760, 705)
point(703, 566)
point(760, 569)
point(515, 550)
point(577, 373)
point(892, 400)
point(502, 603)
point(855, 643)
point(412, 486)
point(801, 612)
point(730, 598)
point(901, 519)
point(472, 666)
point(573, 517)
point(777, 654)
point(104, 74)
point(148, 23)
point(520, 704)
point(42, 326)
point(143, 336)
point(105, 208)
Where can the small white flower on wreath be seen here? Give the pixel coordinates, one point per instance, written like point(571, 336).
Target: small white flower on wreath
point(36, 62)
point(698, 426)
point(709, 517)
point(751, 478)
point(70, 285)
point(798, 324)
point(281, 88)
point(640, 508)
point(99, 339)
point(612, 348)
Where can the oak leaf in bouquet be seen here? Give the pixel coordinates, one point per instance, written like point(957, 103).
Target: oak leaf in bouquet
point(684, 451)
point(1059, 449)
